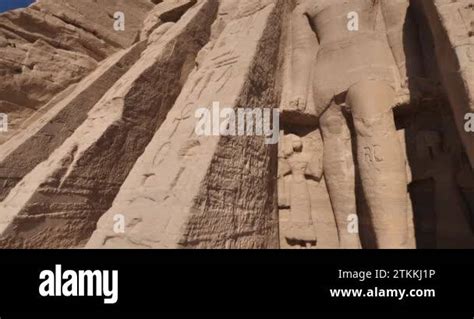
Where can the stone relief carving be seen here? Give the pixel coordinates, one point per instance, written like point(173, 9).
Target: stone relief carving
point(373, 96)
point(300, 160)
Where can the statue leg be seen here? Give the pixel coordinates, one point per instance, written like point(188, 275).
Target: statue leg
point(381, 162)
point(339, 172)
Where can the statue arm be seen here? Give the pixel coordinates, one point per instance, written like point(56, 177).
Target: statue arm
point(304, 50)
point(283, 168)
point(401, 37)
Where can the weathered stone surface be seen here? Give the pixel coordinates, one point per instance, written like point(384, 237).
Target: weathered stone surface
point(166, 11)
point(208, 192)
point(55, 43)
point(35, 143)
point(435, 156)
point(58, 203)
point(372, 153)
point(451, 24)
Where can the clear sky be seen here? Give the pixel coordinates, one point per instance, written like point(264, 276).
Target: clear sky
point(13, 4)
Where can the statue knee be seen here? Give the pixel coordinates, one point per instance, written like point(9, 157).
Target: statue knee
point(332, 122)
point(370, 98)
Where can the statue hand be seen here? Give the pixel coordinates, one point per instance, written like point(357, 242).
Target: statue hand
point(298, 104)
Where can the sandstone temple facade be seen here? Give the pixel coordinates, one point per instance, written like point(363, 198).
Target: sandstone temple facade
point(374, 105)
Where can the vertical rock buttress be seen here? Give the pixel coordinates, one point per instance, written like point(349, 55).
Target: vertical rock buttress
point(207, 191)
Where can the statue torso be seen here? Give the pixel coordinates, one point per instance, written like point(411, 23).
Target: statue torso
point(347, 56)
point(298, 163)
point(330, 19)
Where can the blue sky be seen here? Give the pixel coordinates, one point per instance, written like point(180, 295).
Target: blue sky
point(13, 4)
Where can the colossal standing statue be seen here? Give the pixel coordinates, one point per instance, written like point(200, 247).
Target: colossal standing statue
point(356, 75)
